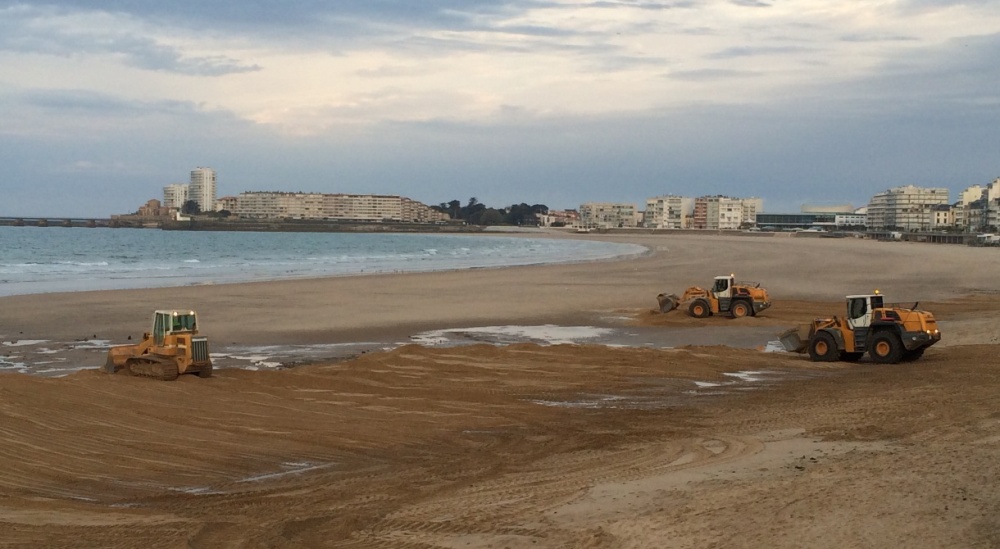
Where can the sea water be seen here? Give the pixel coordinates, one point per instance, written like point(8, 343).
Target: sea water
point(60, 259)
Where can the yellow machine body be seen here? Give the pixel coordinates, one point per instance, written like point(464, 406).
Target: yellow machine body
point(173, 347)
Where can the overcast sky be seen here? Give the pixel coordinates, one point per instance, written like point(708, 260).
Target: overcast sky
point(552, 102)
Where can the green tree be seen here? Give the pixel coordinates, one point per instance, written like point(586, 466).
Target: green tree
point(190, 207)
point(491, 216)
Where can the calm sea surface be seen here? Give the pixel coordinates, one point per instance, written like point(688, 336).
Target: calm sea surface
point(59, 259)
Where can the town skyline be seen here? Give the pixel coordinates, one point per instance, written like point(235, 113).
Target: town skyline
point(797, 102)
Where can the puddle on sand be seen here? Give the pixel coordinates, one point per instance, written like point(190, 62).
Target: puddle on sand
point(673, 392)
point(547, 334)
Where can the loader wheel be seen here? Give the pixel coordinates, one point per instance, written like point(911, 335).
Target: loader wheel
point(910, 356)
point(823, 348)
point(886, 348)
point(699, 309)
point(739, 309)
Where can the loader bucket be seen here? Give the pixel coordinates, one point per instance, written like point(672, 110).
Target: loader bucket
point(668, 302)
point(795, 340)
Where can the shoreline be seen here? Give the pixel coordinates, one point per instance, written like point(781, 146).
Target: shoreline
point(376, 307)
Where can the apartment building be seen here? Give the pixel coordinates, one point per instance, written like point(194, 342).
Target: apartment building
point(604, 215)
point(202, 188)
point(565, 218)
point(991, 206)
point(725, 213)
point(334, 207)
point(852, 220)
point(227, 203)
point(908, 208)
point(943, 216)
point(175, 195)
point(669, 212)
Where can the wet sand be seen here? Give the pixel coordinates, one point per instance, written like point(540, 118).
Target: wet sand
point(523, 445)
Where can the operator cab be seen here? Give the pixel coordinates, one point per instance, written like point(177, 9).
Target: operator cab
point(860, 309)
point(173, 322)
point(723, 286)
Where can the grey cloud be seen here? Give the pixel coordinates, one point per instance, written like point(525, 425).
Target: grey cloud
point(751, 3)
point(954, 74)
point(18, 34)
point(652, 6)
point(922, 4)
point(706, 75)
point(83, 101)
point(753, 51)
point(301, 14)
point(856, 37)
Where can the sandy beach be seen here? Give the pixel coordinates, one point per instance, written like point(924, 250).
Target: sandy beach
point(525, 445)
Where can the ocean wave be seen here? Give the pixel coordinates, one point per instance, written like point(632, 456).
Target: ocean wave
point(84, 259)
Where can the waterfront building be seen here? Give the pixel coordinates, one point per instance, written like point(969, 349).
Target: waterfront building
point(853, 220)
point(908, 208)
point(227, 203)
point(725, 213)
point(175, 195)
point(668, 212)
point(202, 188)
point(154, 208)
point(972, 198)
point(559, 218)
point(367, 208)
point(991, 209)
point(943, 216)
point(604, 215)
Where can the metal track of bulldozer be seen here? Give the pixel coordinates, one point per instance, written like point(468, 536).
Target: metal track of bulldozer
point(154, 367)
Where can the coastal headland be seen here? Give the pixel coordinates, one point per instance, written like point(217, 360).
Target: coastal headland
point(522, 445)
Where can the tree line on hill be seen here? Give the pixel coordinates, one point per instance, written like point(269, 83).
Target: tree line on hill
point(477, 213)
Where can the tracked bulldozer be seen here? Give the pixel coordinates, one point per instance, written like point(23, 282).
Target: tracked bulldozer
point(888, 333)
point(172, 348)
point(727, 296)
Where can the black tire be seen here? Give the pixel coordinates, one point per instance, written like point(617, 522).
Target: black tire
point(851, 357)
point(886, 348)
point(910, 356)
point(699, 308)
point(823, 348)
point(740, 309)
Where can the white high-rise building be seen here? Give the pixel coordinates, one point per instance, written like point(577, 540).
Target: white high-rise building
point(908, 208)
point(668, 212)
point(202, 188)
point(175, 195)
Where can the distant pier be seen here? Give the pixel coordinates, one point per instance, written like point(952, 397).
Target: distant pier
point(54, 222)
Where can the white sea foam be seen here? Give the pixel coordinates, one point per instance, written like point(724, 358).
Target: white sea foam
point(548, 334)
point(24, 342)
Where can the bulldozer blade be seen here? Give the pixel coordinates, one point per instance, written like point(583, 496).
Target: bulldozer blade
point(668, 302)
point(117, 357)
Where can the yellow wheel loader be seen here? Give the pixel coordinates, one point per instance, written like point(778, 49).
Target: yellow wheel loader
point(173, 347)
point(889, 334)
point(738, 299)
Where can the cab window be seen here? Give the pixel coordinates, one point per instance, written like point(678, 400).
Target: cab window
point(858, 308)
point(721, 285)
